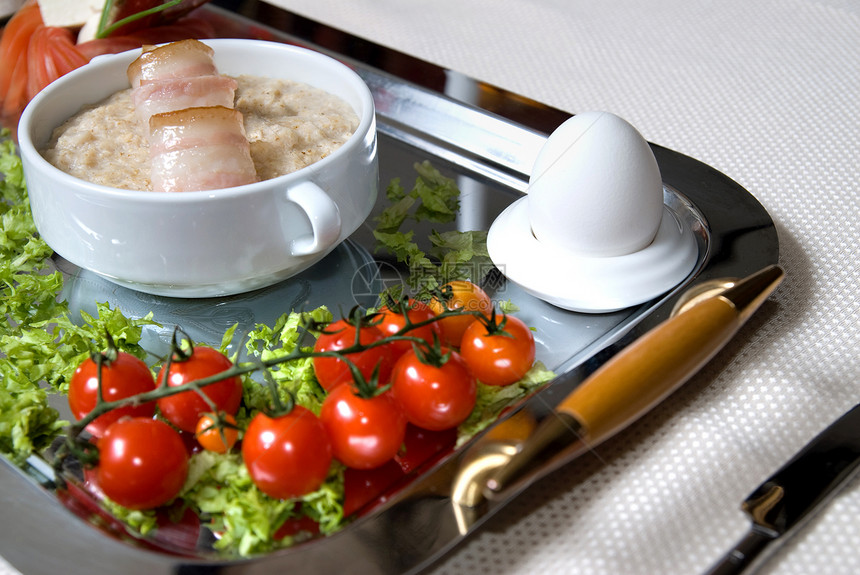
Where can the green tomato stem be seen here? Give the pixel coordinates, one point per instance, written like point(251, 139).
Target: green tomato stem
point(368, 389)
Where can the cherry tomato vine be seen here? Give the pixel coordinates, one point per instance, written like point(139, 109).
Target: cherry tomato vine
point(403, 374)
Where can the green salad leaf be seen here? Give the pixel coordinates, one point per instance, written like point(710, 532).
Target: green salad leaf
point(452, 255)
point(143, 521)
point(295, 378)
point(27, 423)
point(247, 520)
point(492, 399)
point(27, 296)
point(40, 346)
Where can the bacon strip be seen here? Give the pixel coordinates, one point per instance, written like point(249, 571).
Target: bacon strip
point(197, 139)
point(160, 96)
point(176, 76)
point(182, 59)
point(199, 149)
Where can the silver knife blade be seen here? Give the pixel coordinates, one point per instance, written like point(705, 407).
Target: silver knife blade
point(792, 495)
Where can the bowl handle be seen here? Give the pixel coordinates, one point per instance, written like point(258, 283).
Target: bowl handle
point(323, 215)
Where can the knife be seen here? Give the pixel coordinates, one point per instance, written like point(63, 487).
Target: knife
point(633, 382)
point(793, 494)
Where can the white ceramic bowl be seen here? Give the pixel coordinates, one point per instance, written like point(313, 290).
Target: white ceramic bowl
point(209, 243)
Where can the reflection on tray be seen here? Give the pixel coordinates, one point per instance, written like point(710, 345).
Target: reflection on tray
point(347, 277)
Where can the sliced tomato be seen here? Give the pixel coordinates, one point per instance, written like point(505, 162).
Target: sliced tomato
point(52, 53)
point(126, 8)
point(180, 30)
point(14, 49)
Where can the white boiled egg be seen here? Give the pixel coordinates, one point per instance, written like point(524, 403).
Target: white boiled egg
point(595, 187)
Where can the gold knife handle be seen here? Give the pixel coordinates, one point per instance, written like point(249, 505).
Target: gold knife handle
point(634, 381)
point(651, 368)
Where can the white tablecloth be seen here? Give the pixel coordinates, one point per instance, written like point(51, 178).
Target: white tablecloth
point(766, 92)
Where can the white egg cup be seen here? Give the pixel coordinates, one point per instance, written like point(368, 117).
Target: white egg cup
point(593, 234)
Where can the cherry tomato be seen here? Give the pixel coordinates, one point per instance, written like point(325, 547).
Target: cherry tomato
point(185, 409)
point(332, 371)
point(499, 355)
point(466, 296)
point(393, 320)
point(434, 397)
point(213, 438)
point(287, 456)
point(142, 463)
point(123, 377)
point(364, 433)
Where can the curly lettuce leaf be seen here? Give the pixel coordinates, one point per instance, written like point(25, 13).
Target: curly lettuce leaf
point(247, 520)
point(12, 185)
point(492, 399)
point(453, 254)
point(54, 348)
point(39, 344)
point(27, 423)
point(143, 521)
point(292, 377)
point(27, 295)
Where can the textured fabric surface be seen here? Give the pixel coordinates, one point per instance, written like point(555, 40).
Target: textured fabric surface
point(767, 93)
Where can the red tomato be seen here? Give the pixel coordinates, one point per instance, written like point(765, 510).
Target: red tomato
point(393, 320)
point(123, 377)
point(364, 433)
point(434, 397)
point(287, 456)
point(499, 355)
point(185, 409)
point(213, 438)
point(465, 296)
point(142, 463)
point(332, 371)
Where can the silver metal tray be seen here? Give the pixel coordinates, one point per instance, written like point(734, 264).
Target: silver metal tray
point(487, 140)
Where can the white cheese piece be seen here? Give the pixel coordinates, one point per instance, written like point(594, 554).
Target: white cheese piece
point(68, 13)
point(90, 28)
